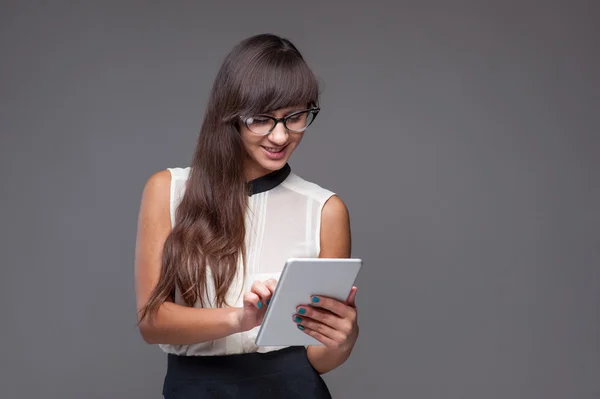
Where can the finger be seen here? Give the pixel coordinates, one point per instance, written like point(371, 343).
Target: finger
point(271, 284)
point(323, 316)
point(333, 305)
point(321, 328)
point(252, 300)
point(324, 339)
point(261, 290)
point(352, 297)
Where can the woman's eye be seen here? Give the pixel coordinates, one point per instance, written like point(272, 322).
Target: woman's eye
point(260, 121)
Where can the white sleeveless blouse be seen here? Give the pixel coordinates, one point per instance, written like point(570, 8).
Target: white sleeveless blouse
point(283, 221)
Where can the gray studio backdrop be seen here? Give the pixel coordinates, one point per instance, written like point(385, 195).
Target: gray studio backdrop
point(463, 138)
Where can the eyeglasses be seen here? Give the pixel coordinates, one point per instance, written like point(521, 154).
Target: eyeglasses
point(295, 122)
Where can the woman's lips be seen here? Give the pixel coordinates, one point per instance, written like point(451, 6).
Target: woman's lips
point(274, 152)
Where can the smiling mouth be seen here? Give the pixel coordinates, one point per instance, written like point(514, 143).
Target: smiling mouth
point(274, 150)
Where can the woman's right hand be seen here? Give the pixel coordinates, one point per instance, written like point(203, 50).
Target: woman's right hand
point(255, 305)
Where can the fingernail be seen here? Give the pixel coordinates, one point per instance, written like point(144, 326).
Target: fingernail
point(259, 304)
point(315, 299)
point(297, 319)
point(301, 327)
point(268, 301)
point(301, 310)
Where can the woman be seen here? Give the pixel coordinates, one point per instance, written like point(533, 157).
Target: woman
point(213, 237)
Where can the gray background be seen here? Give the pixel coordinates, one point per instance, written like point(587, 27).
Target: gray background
point(463, 137)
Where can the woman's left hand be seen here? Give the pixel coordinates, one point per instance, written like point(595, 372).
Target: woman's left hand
point(330, 321)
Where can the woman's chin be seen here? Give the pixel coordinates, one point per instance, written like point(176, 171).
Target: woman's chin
point(272, 165)
point(262, 161)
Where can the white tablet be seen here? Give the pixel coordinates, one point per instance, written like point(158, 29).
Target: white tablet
point(300, 279)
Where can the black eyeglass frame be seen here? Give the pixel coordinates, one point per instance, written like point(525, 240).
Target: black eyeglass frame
point(314, 111)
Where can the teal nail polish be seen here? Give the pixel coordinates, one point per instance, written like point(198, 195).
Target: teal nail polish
point(315, 299)
point(300, 327)
point(259, 304)
point(268, 301)
point(302, 311)
point(297, 319)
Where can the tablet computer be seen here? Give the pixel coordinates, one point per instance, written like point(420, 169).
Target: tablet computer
point(300, 279)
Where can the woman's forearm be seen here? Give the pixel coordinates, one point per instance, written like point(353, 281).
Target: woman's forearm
point(325, 359)
point(181, 325)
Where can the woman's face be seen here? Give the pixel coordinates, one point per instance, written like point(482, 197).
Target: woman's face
point(267, 153)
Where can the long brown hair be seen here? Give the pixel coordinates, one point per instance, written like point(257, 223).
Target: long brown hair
point(261, 74)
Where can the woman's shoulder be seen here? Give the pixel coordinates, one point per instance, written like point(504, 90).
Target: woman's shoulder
point(165, 180)
point(307, 188)
point(164, 189)
point(179, 173)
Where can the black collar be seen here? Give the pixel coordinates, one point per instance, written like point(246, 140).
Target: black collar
point(268, 181)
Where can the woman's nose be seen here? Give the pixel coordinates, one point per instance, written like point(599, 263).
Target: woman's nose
point(279, 134)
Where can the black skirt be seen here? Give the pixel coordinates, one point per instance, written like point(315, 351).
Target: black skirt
point(284, 373)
